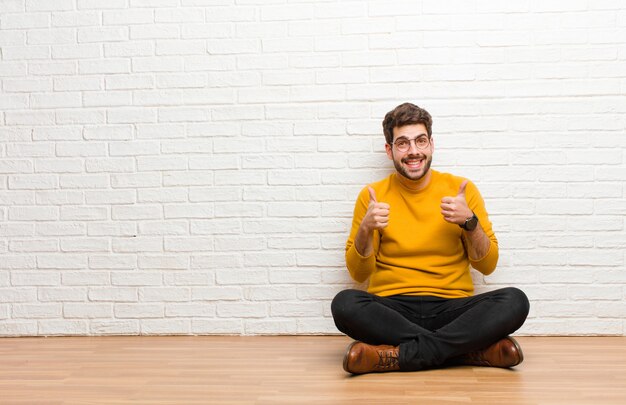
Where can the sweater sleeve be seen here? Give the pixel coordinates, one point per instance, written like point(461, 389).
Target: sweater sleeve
point(487, 263)
point(360, 267)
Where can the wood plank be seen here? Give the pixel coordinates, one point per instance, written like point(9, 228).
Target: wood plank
point(293, 369)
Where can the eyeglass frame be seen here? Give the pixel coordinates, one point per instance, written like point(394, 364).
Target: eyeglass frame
point(414, 140)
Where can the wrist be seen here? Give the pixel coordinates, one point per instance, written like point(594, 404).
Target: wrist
point(470, 223)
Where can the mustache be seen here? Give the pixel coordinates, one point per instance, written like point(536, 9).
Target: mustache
point(412, 157)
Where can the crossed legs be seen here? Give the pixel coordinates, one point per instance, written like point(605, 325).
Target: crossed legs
point(430, 331)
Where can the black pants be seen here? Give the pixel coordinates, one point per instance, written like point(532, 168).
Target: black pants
point(430, 331)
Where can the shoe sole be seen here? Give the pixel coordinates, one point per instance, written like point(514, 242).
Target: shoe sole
point(519, 350)
point(345, 357)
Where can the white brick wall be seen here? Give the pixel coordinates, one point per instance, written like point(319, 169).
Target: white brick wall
point(190, 167)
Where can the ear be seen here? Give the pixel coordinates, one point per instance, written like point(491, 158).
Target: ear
point(388, 150)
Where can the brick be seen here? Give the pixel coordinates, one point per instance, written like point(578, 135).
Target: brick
point(62, 84)
point(154, 31)
point(113, 294)
point(52, 68)
point(129, 82)
point(62, 327)
point(83, 181)
point(85, 245)
point(106, 99)
point(172, 262)
point(254, 193)
point(220, 261)
point(181, 15)
point(18, 328)
point(82, 116)
point(316, 326)
point(241, 310)
point(164, 228)
point(136, 180)
point(14, 101)
point(57, 133)
point(24, 21)
point(190, 310)
point(75, 18)
point(85, 278)
point(188, 178)
point(87, 311)
point(78, 213)
point(51, 36)
point(127, 17)
point(33, 245)
point(114, 327)
point(159, 195)
point(36, 311)
point(180, 47)
point(188, 244)
point(112, 229)
point(31, 118)
point(17, 198)
point(62, 294)
point(217, 327)
point(137, 245)
point(270, 326)
point(110, 165)
point(139, 311)
point(16, 166)
point(238, 210)
point(102, 34)
point(33, 182)
point(136, 279)
point(216, 293)
point(164, 294)
point(25, 52)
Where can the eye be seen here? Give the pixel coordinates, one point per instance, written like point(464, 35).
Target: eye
point(422, 141)
point(402, 143)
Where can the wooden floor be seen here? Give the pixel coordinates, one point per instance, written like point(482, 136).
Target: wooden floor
point(290, 370)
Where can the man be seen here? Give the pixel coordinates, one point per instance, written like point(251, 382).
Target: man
point(414, 235)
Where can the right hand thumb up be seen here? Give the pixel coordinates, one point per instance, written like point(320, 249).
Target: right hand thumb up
point(372, 195)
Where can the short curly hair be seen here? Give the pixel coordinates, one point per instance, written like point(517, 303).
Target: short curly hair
point(406, 114)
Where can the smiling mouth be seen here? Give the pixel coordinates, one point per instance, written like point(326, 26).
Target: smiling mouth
point(413, 164)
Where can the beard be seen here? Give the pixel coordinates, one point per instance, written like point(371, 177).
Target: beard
point(414, 175)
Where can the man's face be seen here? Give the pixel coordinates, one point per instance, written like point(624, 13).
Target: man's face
point(415, 162)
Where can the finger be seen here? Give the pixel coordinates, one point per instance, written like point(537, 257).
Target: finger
point(372, 195)
point(381, 218)
point(381, 210)
point(462, 188)
point(447, 200)
point(447, 207)
point(448, 218)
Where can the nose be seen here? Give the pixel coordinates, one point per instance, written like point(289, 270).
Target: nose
point(413, 147)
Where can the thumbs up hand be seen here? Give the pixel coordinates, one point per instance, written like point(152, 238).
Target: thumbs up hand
point(377, 215)
point(455, 209)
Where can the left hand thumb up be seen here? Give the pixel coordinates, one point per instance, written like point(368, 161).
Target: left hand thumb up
point(461, 192)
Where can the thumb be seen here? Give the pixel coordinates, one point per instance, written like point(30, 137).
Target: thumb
point(462, 188)
point(372, 195)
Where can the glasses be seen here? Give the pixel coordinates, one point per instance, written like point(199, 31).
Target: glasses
point(404, 144)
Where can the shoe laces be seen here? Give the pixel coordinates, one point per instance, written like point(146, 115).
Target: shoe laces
point(476, 357)
point(387, 359)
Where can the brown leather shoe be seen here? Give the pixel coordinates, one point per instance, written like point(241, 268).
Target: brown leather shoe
point(504, 353)
point(362, 358)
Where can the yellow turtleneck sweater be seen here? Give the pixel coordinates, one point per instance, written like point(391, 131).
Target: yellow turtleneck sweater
point(419, 253)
